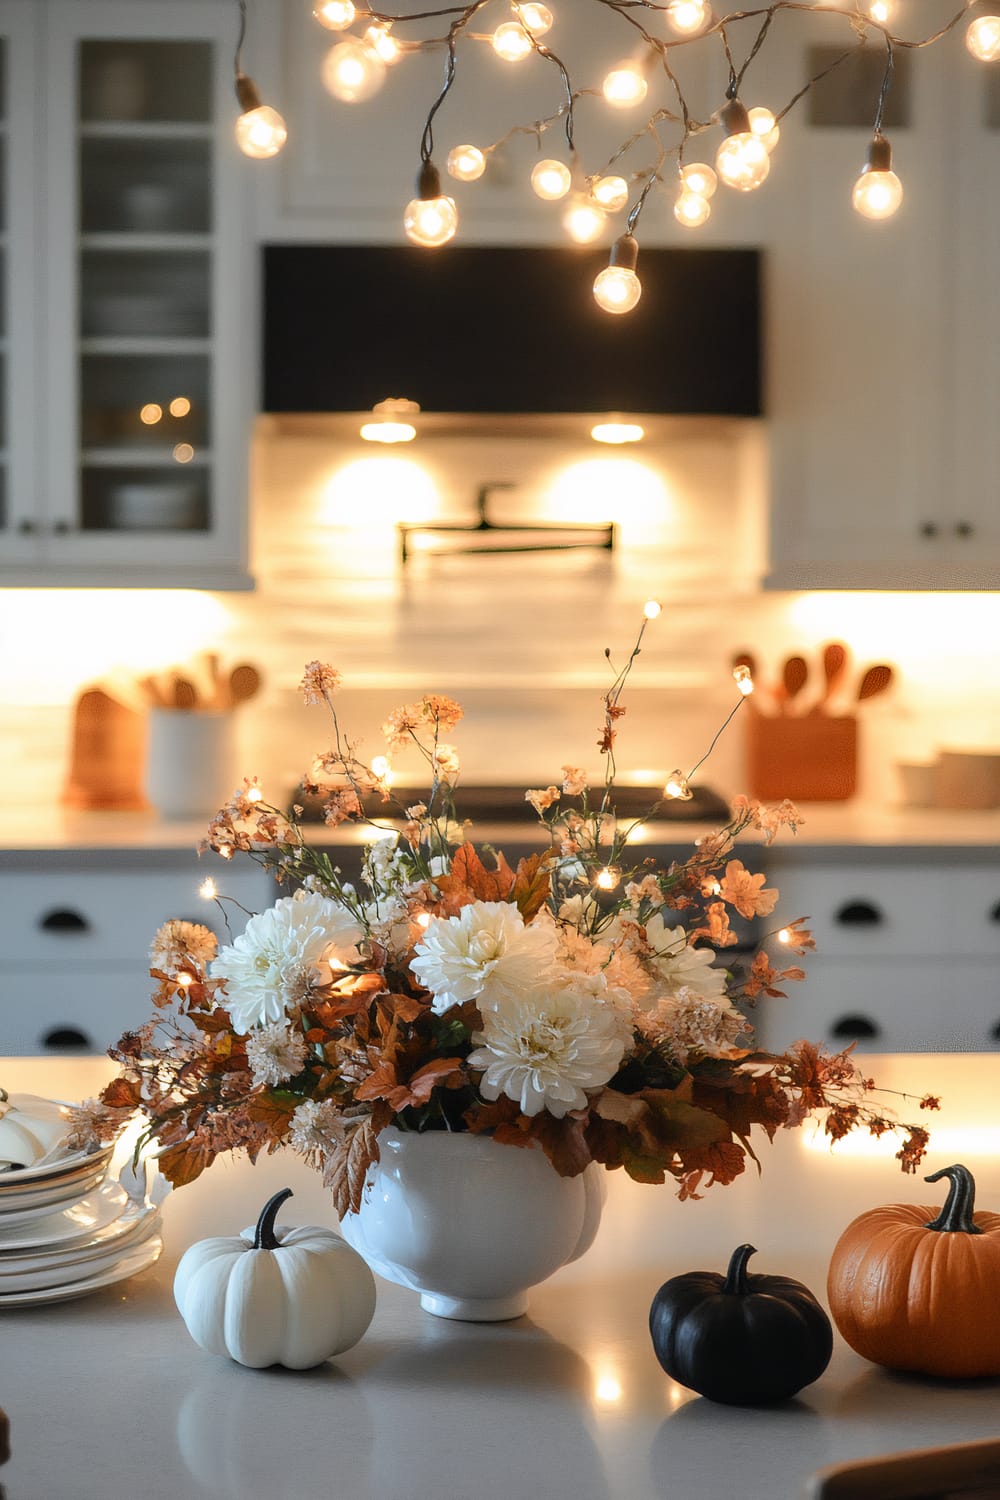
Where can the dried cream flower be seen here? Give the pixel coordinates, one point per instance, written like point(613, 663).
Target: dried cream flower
point(275, 1053)
point(182, 945)
point(318, 681)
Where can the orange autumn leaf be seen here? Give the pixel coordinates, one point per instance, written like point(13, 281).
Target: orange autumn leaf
point(185, 1162)
point(532, 883)
point(470, 880)
point(122, 1093)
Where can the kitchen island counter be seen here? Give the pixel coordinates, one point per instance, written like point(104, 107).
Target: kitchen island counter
point(109, 1398)
point(826, 825)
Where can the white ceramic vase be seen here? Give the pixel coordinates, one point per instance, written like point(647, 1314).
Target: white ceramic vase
point(470, 1224)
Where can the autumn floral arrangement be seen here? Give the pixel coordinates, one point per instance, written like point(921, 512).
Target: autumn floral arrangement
point(580, 1002)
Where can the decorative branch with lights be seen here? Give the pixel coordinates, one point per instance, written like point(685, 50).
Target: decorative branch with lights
point(354, 69)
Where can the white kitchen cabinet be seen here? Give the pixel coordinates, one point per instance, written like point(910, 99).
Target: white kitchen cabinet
point(126, 398)
point(75, 929)
point(907, 951)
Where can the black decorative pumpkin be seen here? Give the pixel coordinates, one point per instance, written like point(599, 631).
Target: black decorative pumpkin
point(739, 1339)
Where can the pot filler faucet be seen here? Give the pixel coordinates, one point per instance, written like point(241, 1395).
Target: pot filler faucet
point(523, 536)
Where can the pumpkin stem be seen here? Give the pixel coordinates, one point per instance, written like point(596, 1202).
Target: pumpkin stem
point(264, 1237)
point(956, 1215)
point(736, 1277)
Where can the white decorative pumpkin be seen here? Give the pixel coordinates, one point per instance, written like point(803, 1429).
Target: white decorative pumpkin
point(29, 1127)
point(291, 1297)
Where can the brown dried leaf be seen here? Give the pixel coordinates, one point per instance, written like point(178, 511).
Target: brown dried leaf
point(122, 1093)
point(469, 879)
point(532, 883)
point(347, 1168)
point(185, 1162)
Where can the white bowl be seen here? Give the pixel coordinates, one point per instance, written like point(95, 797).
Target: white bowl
point(154, 506)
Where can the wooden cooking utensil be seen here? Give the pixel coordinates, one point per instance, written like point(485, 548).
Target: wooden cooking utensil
point(108, 752)
point(185, 693)
point(875, 680)
point(244, 680)
point(834, 662)
point(794, 676)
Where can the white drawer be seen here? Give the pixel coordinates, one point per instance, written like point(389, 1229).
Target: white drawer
point(880, 907)
point(925, 1005)
point(73, 915)
point(42, 1012)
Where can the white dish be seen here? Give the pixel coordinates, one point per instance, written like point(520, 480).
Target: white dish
point(138, 1260)
point(57, 1166)
point(42, 1198)
point(136, 1221)
point(88, 1213)
point(94, 1263)
point(154, 506)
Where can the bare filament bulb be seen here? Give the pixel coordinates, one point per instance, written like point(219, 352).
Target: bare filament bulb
point(611, 193)
point(624, 86)
point(687, 16)
point(983, 38)
point(692, 210)
point(352, 71)
point(535, 17)
point(335, 15)
point(764, 127)
point(512, 42)
point(583, 221)
point(466, 163)
point(551, 180)
point(699, 178)
point(617, 288)
point(878, 192)
point(431, 218)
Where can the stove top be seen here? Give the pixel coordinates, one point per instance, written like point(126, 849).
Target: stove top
point(506, 804)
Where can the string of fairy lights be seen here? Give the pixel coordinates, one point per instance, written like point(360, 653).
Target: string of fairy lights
point(374, 41)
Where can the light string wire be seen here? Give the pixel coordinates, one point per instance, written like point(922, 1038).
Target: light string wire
point(460, 17)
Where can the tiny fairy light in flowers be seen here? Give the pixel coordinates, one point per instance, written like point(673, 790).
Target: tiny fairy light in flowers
point(585, 999)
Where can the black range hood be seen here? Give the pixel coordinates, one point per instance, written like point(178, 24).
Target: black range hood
point(509, 330)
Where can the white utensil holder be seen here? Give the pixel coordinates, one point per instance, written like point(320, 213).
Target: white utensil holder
point(189, 770)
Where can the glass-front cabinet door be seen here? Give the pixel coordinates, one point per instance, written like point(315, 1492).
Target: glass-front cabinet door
point(141, 473)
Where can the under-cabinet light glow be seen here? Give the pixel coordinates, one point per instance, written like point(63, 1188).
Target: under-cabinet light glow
point(617, 432)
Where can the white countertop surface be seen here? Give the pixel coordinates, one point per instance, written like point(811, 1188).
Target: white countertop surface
point(826, 825)
point(109, 1398)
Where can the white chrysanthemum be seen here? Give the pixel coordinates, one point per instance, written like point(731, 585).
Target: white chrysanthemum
point(275, 1053)
point(178, 943)
point(281, 953)
point(545, 1050)
point(689, 1026)
point(678, 966)
point(485, 953)
point(315, 1129)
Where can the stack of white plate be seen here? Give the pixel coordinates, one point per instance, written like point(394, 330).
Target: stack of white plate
point(68, 1226)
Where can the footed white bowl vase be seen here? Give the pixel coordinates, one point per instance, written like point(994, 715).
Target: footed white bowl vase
point(469, 1224)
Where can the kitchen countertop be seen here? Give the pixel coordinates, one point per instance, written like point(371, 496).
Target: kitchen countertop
point(109, 1398)
point(828, 825)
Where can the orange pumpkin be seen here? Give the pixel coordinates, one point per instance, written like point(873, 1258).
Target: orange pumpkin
point(916, 1290)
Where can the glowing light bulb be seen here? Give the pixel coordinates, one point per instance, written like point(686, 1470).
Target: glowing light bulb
point(687, 16)
point(184, 979)
point(617, 288)
point(783, 935)
point(692, 210)
point(699, 178)
point(764, 126)
point(512, 42)
point(652, 608)
point(208, 890)
point(743, 680)
point(382, 42)
point(742, 160)
point(611, 193)
point(880, 11)
point(583, 221)
point(261, 132)
point(423, 919)
point(878, 192)
point(624, 86)
point(677, 788)
point(466, 163)
point(150, 414)
point(535, 17)
point(550, 180)
point(335, 15)
point(608, 879)
point(617, 433)
point(983, 38)
point(352, 71)
point(254, 794)
point(431, 218)
point(183, 453)
point(380, 767)
point(180, 406)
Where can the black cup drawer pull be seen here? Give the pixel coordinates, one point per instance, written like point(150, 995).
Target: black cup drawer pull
point(63, 919)
point(67, 1038)
point(859, 914)
point(854, 1028)
point(995, 913)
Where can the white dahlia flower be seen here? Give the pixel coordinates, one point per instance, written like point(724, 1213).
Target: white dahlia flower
point(281, 954)
point(485, 953)
point(546, 1049)
point(677, 966)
